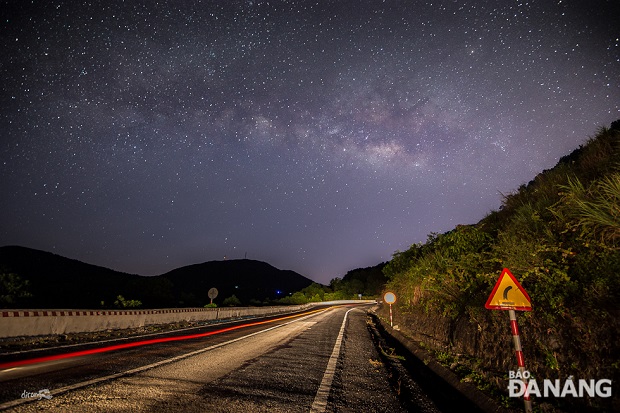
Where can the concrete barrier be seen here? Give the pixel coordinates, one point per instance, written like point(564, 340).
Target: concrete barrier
point(28, 323)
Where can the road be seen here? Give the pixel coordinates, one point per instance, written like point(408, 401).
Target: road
point(314, 362)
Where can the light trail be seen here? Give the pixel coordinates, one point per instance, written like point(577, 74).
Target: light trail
point(27, 362)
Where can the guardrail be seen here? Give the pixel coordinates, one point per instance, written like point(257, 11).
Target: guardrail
point(27, 323)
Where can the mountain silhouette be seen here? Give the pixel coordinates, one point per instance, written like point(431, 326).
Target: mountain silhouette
point(54, 281)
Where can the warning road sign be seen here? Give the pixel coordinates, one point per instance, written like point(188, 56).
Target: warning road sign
point(508, 294)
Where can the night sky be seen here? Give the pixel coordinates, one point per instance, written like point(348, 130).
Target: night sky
point(318, 136)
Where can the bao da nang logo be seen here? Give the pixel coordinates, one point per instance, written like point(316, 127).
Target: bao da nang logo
point(521, 384)
point(41, 394)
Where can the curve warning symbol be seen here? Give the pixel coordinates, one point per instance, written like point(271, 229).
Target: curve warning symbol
point(508, 294)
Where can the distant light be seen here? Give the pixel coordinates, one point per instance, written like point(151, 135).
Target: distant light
point(278, 292)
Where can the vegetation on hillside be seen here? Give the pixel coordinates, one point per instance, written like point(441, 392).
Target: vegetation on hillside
point(12, 289)
point(560, 236)
point(369, 282)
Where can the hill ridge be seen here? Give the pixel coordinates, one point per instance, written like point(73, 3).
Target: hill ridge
point(55, 281)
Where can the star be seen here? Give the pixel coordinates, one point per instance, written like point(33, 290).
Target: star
point(317, 136)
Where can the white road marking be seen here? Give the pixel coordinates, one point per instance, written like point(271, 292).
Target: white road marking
point(320, 400)
point(75, 386)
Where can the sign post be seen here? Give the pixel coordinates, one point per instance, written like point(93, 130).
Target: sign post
point(390, 298)
point(509, 295)
point(212, 294)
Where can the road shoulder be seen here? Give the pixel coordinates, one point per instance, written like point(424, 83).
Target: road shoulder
point(361, 383)
point(438, 379)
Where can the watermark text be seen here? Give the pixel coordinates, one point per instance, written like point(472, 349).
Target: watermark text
point(41, 394)
point(521, 384)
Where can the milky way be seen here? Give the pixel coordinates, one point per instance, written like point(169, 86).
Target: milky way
point(317, 136)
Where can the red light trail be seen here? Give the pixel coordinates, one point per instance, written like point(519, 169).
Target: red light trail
point(19, 363)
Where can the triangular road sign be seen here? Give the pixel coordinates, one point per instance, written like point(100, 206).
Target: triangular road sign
point(508, 294)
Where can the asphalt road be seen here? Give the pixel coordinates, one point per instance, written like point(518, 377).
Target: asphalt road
point(323, 361)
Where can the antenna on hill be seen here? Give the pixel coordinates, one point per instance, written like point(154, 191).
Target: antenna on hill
point(246, 255)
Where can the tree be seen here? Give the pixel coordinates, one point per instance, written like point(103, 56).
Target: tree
point(122, 303)
point(313, 291)
point(12, 289)
point(231, 301)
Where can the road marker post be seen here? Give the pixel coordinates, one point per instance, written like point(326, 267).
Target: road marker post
point(390, 298)
point(507, 285)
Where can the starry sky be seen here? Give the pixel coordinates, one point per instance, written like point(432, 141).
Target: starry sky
point(318, 136)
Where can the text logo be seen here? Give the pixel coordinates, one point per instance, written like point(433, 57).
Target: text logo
point(41, 394)
point(520, 384)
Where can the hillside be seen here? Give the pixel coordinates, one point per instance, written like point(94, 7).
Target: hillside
point(251, 281)
point(369, 282)
point(559, 235)
point(54, 281)
point(39, 279)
